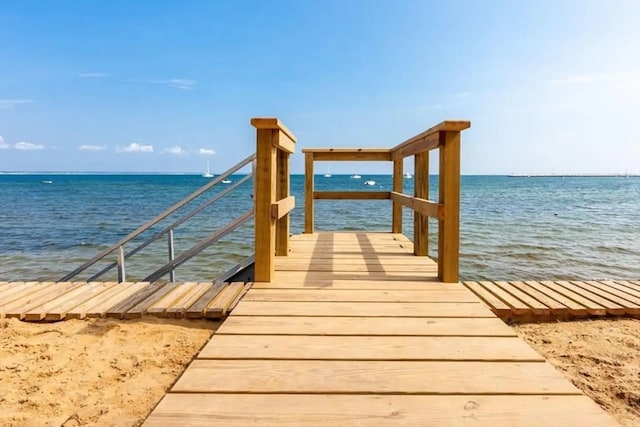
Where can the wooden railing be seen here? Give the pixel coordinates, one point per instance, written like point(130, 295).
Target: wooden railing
point(273, 201)
point(445, 137)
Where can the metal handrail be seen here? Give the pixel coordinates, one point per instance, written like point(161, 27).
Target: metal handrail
point(119, 246)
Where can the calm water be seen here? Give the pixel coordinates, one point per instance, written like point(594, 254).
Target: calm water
point(533, 228)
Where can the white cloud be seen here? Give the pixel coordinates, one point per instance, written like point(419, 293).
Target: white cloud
point(89, 147)
point(176, 149)
point(206, 152)
point(92, 75)
point(135, 147)
point(27, 146)
point(3, 145)
point(184, 84)
point(577, 79)
point(6, 104)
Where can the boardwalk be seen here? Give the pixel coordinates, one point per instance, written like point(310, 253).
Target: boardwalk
point(354, 330)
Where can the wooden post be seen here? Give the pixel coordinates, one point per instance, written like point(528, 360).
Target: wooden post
point(398, 177)
point(265, 225)
point(449, 226)
point(282, 190)
point(308, 193)
point(421, 190)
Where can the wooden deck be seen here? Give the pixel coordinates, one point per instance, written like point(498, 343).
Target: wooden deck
point(49, 301)
point(354, 330)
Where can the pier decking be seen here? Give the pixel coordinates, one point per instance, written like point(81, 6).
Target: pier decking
point(355, 330)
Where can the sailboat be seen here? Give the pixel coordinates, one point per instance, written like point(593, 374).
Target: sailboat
point(328, 174)
point(208, 173)
point(356, 176)
point(407, 175)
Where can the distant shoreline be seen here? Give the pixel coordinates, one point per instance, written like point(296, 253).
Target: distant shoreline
point(512, 175)
point(577, 175)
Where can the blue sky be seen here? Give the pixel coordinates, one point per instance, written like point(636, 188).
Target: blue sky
point(165, 86)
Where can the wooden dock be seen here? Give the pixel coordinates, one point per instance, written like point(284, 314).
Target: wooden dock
point(355, 330)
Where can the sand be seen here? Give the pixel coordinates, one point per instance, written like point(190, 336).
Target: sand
point(113, 373)
point(93, 372)
point(601, 357)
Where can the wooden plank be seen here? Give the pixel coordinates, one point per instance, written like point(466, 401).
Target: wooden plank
point(391, 296)
point(337, 309)
point(357, 285)
point(601, 291)
point(592, 308)
point(308, 193)
point(19, 290)
point(403, 261)
point(401, 326)
point(80, 311)
point(337, 376)
point(219, 306)
point(394, 276)
point(423, 206)
point(496, 304)
point(118, 311)
point(536, 307)
point(449, 198)
point(631, 287)
point(100, 310)
point(619, 285)
point(575, 309)
point(425, 140)
point(276, 410)
point(559, 310)
point(311, 347)
point(265, 195)
point(56, 308)
point(284, 143)
point(196, 311)
point(34, 297)
point(140, 308)
point(349, 154)
point(517, 307)
point(398, 183)
point(611, 307)
point(351, 195)
point(159, 308)
point(292, 265)
point(285, 203)
point(179, 307)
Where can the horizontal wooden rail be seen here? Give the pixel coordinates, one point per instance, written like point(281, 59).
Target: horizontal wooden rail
point(351, 195)
point(349, 154)
point(283, 140)
point(282, 207)
point(428, 140)
point(425, 207)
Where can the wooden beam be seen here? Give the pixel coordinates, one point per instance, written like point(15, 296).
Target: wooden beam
point(308, 192)
point(287, 201)
point(265, 226)
point(352, 195)
point(421, 218)
point(349, 154)
point(273, 124)
point(282, 207)
point(284, 143)
point(422, 206)
point(415, 145)
point(449, 225)
point(398, 181)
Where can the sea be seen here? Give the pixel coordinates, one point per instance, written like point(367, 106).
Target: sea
point(512, 228)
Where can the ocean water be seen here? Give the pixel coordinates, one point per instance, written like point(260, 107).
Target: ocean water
point(511, 228)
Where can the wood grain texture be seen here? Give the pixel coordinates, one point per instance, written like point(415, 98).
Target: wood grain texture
point(334, 295)
point(304, 410)
point(405, 377)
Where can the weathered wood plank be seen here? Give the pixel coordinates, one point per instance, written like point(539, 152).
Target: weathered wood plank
point(196, 311)
point(219, 306)
point(301, 295)
point(575, 309)
point(368, 348)
point(559, 287)
point(118, 311)
point(276, 410)
point(100, 309)
point(364, 284)
point(517, 307)
point(497, 305)
point(404, 309)
point(57, 309)
point(536, 307)
point(18, 308)
point(612, 307)
point(629, 287)
point(179, 307)
point(404, 377)
point(140, 308)
point(559, 309)
point(401, 326)
point(160, 307)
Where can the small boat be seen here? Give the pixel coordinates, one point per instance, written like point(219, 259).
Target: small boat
point(408, 175)
point(208, 173)
point(328, 174)
point(369, 182)
point(355, 176)
point(226, 181)
point(46, 182)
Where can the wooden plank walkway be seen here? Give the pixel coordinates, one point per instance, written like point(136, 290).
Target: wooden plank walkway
point(35, 301)
point(561, 300)
point(343, 337)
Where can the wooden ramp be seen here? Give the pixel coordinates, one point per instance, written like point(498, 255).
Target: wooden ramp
point(355, 330)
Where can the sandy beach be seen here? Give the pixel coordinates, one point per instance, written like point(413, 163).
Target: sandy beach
point(113, 373)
